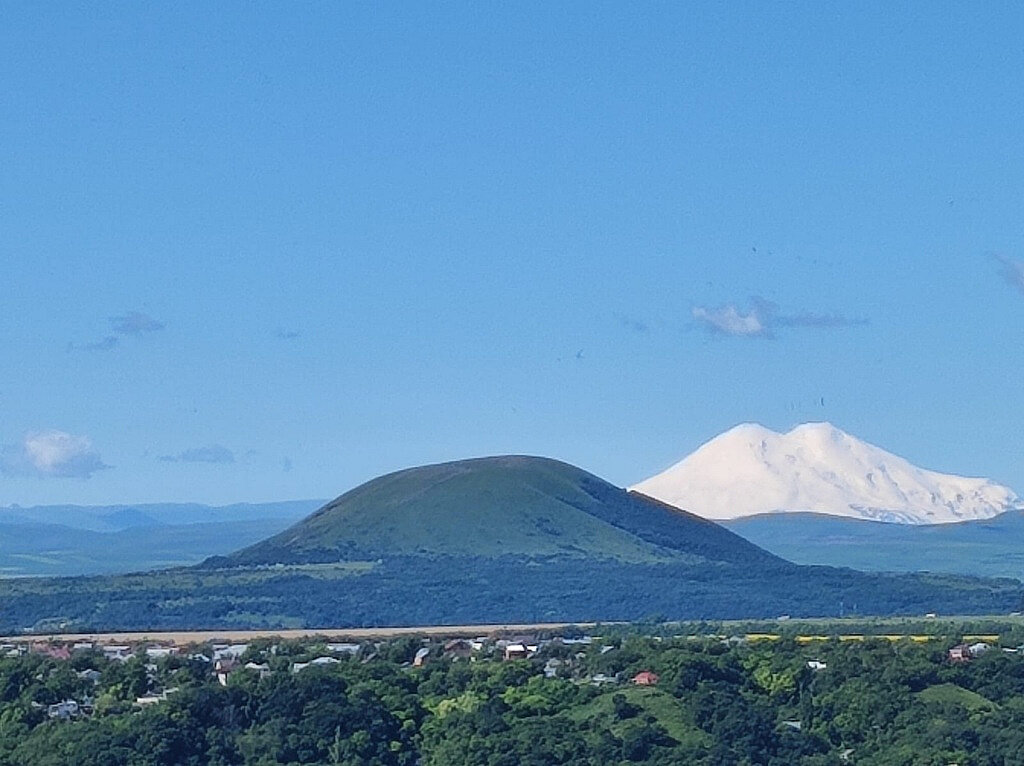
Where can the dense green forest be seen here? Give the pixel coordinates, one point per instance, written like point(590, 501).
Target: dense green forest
point(715, 702)
point(436, 590)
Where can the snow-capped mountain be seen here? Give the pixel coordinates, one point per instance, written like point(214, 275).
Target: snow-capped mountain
point(751, 469)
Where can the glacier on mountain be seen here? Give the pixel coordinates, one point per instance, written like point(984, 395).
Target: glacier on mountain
point(817, 467)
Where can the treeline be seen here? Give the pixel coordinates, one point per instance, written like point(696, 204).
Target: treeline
point(424, 590)
point(714, 703)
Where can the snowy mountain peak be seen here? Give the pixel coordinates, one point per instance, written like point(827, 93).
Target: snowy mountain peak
point(751, 469)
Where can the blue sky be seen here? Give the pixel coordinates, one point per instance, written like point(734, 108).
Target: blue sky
point(257, 251)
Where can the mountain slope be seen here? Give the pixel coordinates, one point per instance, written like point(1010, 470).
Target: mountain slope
point(986, 547)
point(500, 506)
point(816, 467)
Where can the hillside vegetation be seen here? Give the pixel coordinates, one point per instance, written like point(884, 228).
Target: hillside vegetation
point(500, 506)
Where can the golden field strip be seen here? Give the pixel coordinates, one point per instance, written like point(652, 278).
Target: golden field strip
point(184, 638)
point(203, 636)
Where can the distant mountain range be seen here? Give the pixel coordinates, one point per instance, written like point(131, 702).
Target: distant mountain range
point(115, 518)
point(491, 540)
point(816, 467)
point(84, 540)
point(986, 547)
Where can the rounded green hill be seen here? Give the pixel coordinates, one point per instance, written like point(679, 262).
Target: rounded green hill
point(500, 506)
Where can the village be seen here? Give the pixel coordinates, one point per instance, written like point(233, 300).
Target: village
point(259, 659)
point(555, 656)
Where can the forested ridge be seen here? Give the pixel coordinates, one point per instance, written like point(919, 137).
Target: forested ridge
point(435, 590)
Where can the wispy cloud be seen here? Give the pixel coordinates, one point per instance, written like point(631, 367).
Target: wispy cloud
point(215, 453)
point(52, 454)
point(762, 318)
point(1012, 271)
point(134, 323)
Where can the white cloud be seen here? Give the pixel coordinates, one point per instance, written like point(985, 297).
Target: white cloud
point(763, 319)
point(52, 454)
point(730, 320)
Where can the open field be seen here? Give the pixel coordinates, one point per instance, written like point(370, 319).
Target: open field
point(802, 631)
point(201, 636)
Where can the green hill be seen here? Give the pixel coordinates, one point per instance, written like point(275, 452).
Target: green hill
point(500, 506)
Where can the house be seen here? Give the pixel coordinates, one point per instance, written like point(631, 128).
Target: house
point(224, 668)
point(960, 653)
point(582, 641)
point(458, 649)
point(117, 651)
point(516, 651)
point(296, 667)
point(325, 661)
point(978, 649)
point(600, 679)
point(157, 652)
point(421, 657)
point(55, 651)
point(645, 678)
point(344, 648)
point(816, 665)
point(64, 711)
point(225, 651)
point(262, 669)
point(154, 698)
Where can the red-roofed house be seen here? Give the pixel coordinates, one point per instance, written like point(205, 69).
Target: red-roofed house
point(645, 678)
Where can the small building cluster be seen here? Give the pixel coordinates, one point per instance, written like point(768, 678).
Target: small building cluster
point(968, 652)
